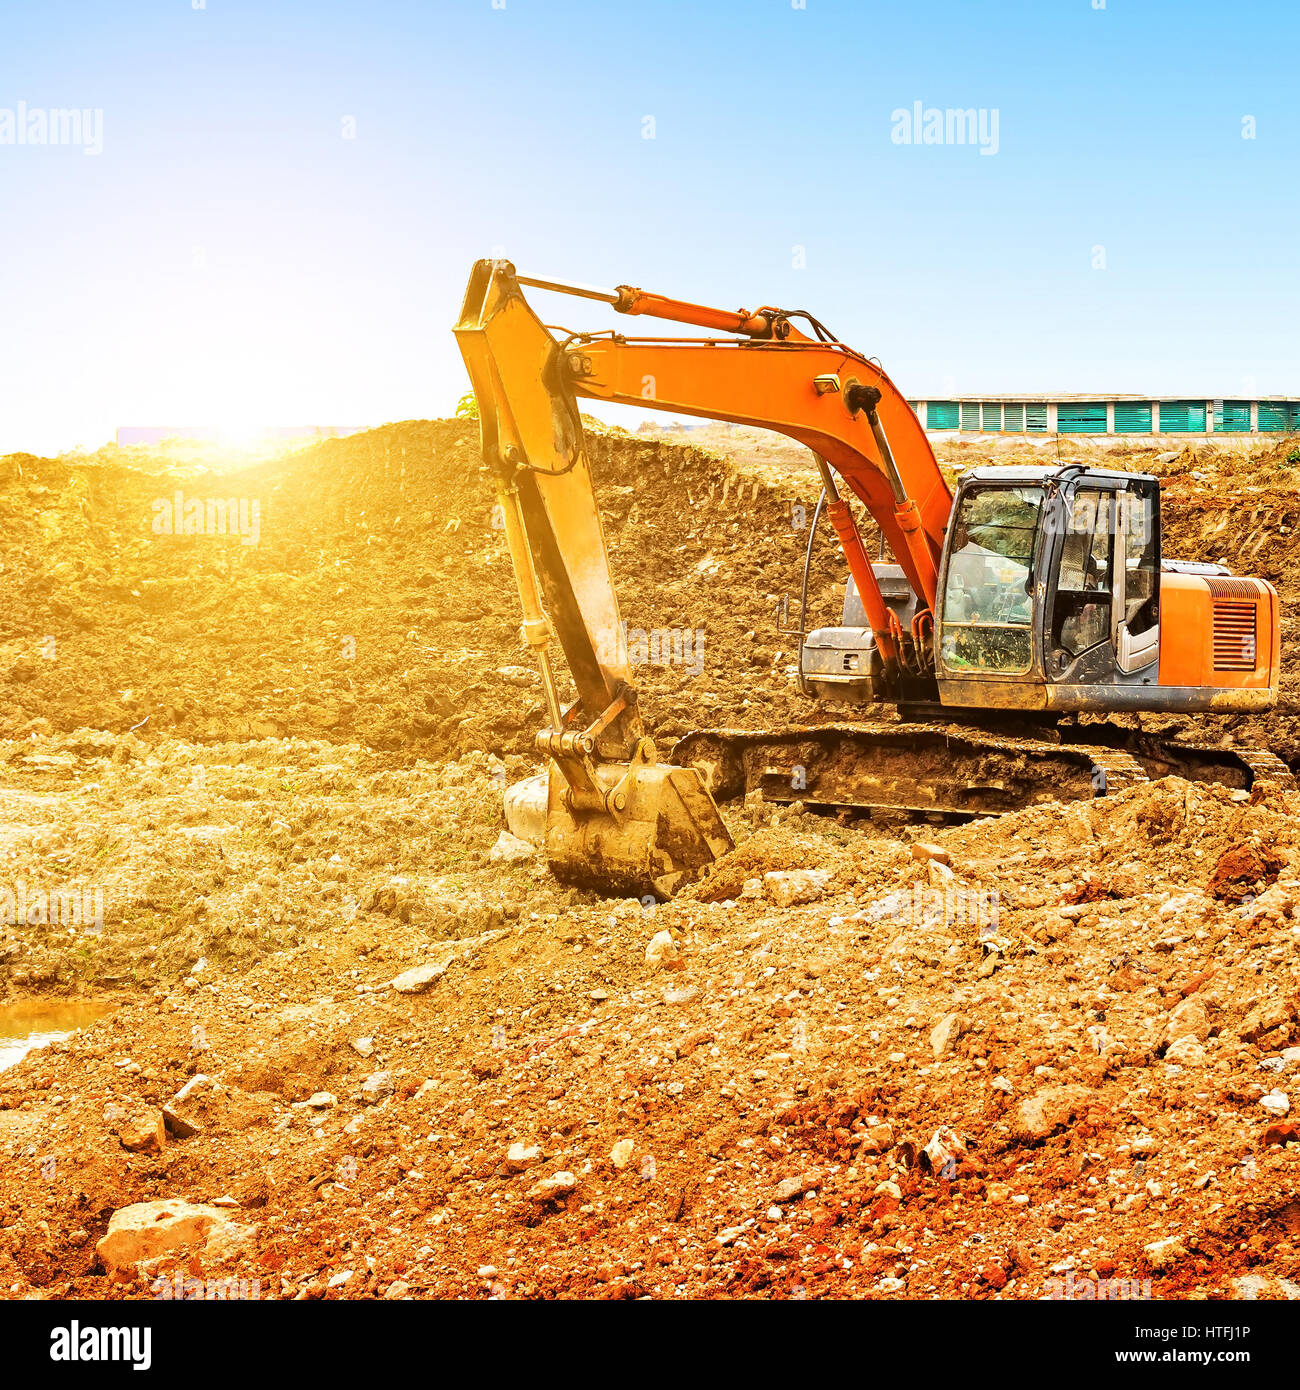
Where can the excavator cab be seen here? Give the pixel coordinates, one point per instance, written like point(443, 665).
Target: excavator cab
point(1053, 595)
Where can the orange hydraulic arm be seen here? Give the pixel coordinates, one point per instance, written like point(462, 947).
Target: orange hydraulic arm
point(770, 374)
point(842, 406)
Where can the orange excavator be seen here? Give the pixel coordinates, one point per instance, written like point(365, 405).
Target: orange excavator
point(1033, 593)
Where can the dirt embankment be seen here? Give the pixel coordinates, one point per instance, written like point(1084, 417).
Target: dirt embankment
point(376, 603)
point(1009, 1059)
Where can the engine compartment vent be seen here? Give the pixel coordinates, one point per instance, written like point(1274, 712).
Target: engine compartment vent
point(1234, 635)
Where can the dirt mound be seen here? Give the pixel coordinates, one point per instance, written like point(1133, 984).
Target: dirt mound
point(370, 598)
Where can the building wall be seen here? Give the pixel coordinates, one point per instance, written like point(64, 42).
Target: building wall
point(1108, 415)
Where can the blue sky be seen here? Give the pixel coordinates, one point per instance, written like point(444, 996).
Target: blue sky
point(232, 257)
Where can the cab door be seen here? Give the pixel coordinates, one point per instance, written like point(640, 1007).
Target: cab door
point(1080, 623)
point(1136, 614)
point(1102, 624)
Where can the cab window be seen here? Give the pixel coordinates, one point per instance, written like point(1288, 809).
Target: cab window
point(1085, 581)
point(987, 600)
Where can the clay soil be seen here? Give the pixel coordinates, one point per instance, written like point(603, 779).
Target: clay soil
point(283, 765)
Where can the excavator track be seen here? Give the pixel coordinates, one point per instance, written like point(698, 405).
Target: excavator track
point(945, 772)
point(1264, 768)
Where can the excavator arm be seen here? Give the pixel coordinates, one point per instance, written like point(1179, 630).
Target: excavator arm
point(615, 816)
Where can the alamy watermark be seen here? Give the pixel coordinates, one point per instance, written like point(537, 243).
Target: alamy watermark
point(40, 125)
point(953, 125)
point(666, 646)
point(37, 907)
point(1095, 1289)
point(179, 1287)
point(178, 515)
point(950, 905)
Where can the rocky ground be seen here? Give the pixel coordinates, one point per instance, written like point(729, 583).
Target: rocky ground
point(358, 1053)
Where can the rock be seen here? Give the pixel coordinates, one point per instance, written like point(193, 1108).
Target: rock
point(938, 873)
point(621, 1154)
point(1048, 1110)
point(1189, 905)
point(416, 980)
point(519, 675)
point(363, 1046)
point(149, 1229)
point(662, 951)
point(1161, 1254)
point(177, 1125)
point(681, 996)
point(791, 1189)
point(940, 1154)
point(922, 850)
point(198, 1082)
point(878, 1138)
point(1257, 1286)
point(399, 1288)
point(554, 1188)
point(321, 1100)
point(946, 1032)
point(1189, 1019)
point(524, 809)
point(376, 1087)
point(789, 887)
point(1276, 1103)
point(1266, 1017)
point(1284, 1132)
point(510, 849)
point(144, 1134)
point(520, 1156)
point(1186, 1052)
point(230, 1241)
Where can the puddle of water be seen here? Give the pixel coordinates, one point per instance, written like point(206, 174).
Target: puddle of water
point(37, 1022)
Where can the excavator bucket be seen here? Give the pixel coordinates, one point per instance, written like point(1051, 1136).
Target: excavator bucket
point(668, 832)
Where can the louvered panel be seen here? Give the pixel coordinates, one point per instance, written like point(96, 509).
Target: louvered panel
point(1274, 416)
point(991, 414)
point(1182, 417)
point(1232, 417)
point(1081, 417)
point(941, 415)
point(970, 415)
point(1035, 418)
point(1013, 418)
point(1234, 635)
point(1132, 417)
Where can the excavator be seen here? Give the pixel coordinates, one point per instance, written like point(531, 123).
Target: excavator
point(1034, 595)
